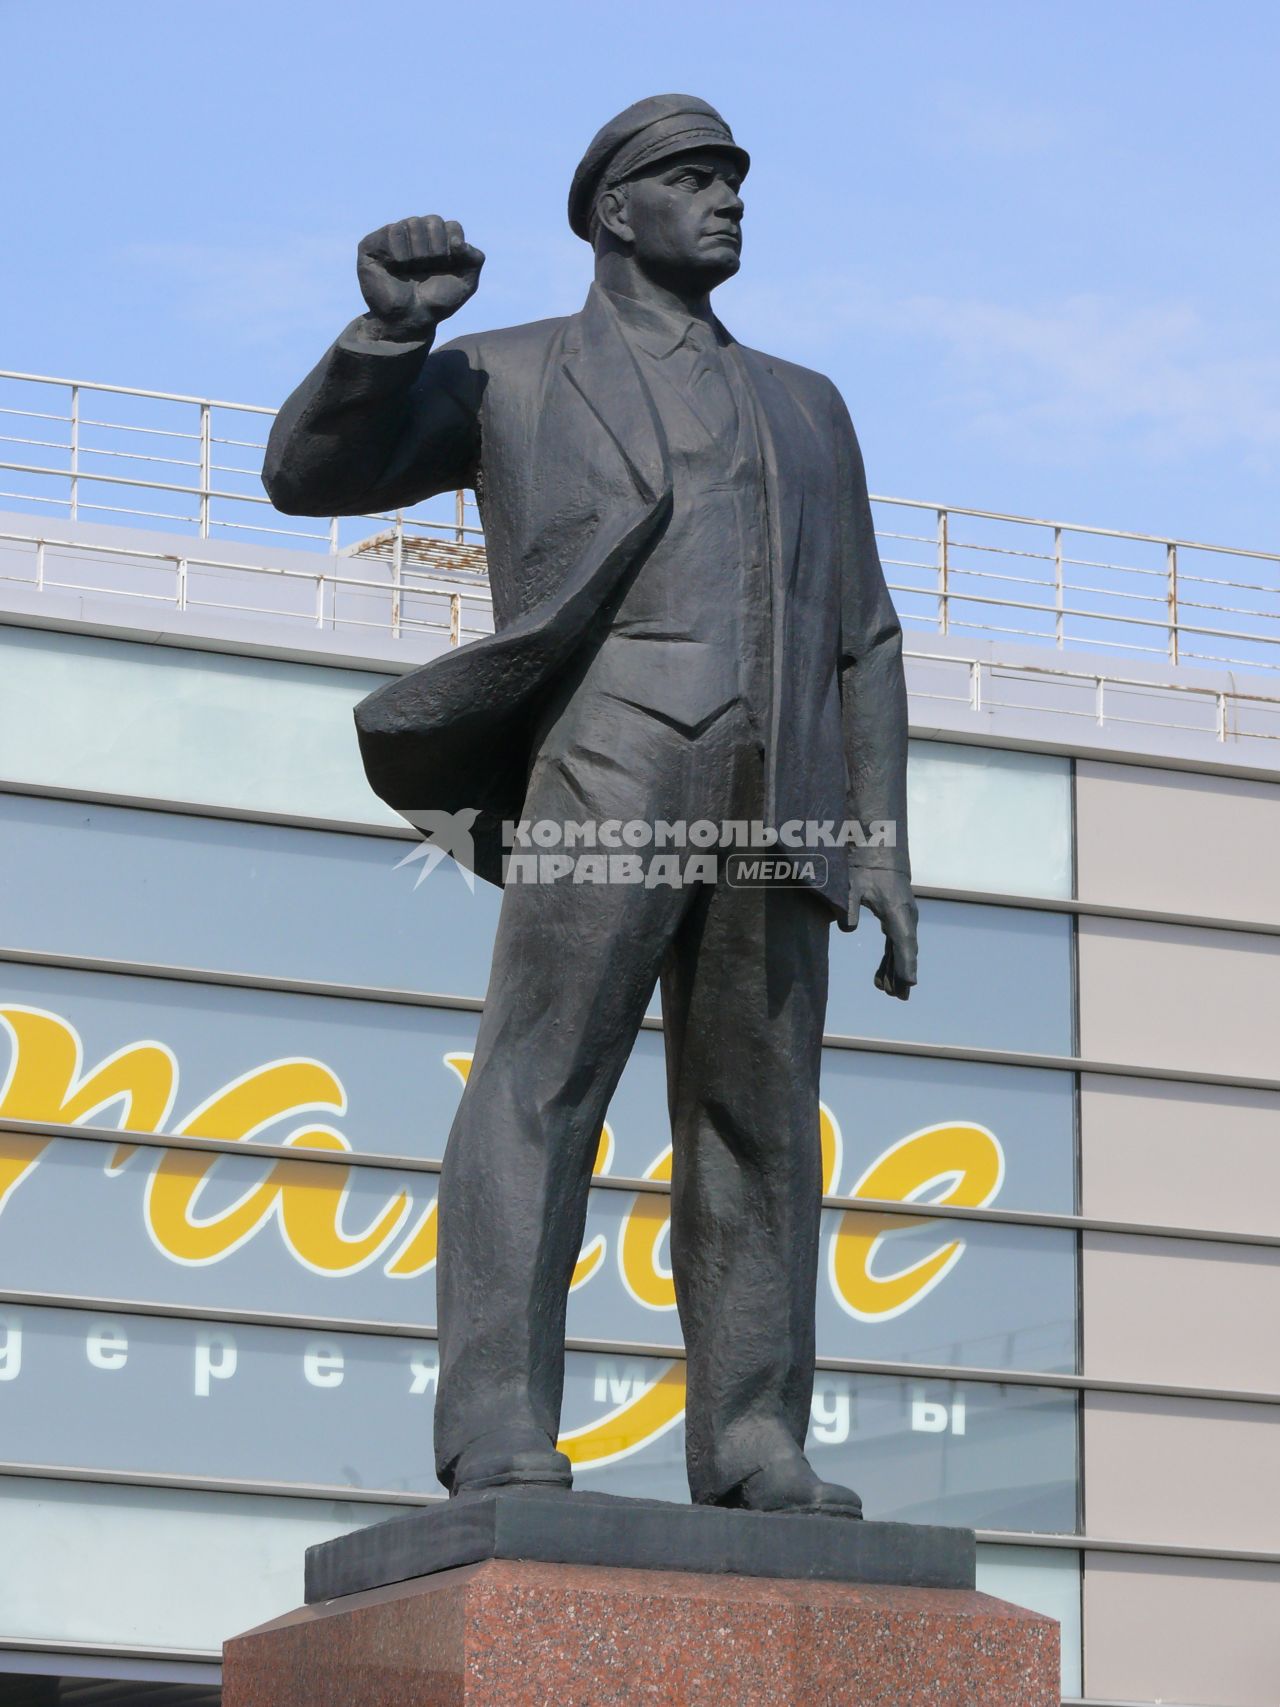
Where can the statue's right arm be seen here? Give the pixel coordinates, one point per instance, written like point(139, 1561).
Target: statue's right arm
point(374, 426)
point(381, 422)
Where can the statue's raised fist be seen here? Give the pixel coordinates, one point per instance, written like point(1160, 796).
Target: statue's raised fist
point(416, 273)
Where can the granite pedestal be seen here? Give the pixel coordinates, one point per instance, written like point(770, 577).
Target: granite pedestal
point(486, 1602)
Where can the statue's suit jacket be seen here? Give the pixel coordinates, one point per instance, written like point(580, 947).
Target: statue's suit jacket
point(553, 426)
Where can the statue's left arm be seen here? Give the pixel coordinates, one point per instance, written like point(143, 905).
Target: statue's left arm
point(873, 697)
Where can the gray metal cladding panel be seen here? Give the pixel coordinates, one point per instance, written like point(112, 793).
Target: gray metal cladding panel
point(1186, 1155)
point(1178, 842)
point(1198, 1630)
point(1224, 1457)
point(1179, 1312)
point(1185, 998)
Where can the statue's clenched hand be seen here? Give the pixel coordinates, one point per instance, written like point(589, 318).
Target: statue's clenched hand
point(414, 274)
point(888, 895)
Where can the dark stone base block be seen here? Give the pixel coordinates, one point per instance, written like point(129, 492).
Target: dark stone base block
point(511, 1633)
point(561, 1528)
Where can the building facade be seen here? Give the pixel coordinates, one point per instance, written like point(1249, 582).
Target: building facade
point(234, 1026)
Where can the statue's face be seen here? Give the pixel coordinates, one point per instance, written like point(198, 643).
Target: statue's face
point(684, 218)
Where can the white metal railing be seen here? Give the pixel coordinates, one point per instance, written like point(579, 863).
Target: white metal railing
point(190, 464)
point(354, 590)
point(91, 452)
point(1071, 584)
point(1110, 700)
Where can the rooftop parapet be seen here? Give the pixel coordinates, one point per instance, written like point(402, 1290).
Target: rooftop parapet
point(143, 501)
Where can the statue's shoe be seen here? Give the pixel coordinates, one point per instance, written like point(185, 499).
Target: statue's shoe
point(791, 1484)
point(509, 1458)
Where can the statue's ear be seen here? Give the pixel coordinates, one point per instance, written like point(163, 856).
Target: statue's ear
point(611, 214)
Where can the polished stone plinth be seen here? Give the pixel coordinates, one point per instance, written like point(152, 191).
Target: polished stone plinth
point(522, 1633)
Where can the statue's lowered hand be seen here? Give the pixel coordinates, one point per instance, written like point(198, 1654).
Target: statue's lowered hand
point(414, 274)
point(888, 895)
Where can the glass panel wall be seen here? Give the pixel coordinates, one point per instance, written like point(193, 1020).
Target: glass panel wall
point(87, 1382)
point(246, 1402)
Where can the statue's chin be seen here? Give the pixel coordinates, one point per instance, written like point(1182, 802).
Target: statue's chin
point(693, 275)
point(708, 271)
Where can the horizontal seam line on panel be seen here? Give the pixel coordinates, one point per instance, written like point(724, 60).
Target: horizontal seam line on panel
point(1007, 741)
point(926, 891)
point(50, 619)
point(977, 1374)
point(113, 967)
point(1141, 1549)
point(206, 809)
point(1094, 909)
point(634, 1184)
point(1126, 1701)
point(980, 1054)
point(1051, 1063)
point(221, 1146)
point(111, 1650)
point(388, 1496)
point(215, 1484)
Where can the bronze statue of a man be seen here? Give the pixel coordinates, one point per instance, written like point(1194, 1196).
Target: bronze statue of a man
point(691, 625)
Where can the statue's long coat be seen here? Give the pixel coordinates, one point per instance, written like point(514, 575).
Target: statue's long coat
point(552, 425)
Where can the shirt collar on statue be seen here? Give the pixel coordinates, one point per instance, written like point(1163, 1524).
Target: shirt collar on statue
point(660, 333)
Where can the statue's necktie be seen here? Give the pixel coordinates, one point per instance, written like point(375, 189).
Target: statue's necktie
point(709, 390)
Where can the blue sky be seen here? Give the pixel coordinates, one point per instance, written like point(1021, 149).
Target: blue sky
point(1029, 241)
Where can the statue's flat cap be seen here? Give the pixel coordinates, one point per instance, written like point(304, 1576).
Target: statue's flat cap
point(651, 130)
